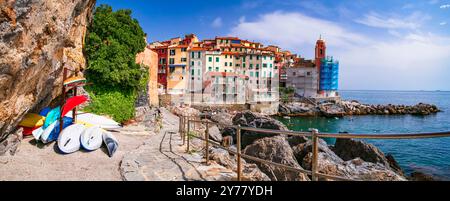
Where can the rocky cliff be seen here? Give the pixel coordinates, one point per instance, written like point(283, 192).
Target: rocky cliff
point(37, 39)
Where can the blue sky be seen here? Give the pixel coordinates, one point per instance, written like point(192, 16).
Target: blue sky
point(381, 44)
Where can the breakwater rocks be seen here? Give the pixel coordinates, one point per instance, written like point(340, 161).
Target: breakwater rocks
point(348, 108)
point(350, 159)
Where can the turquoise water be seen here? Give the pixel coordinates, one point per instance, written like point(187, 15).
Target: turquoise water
point(427, 155)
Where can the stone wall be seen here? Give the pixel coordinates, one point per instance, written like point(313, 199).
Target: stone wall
point(265, 108)
point(37, 39)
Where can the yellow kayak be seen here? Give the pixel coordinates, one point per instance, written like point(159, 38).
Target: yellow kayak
point(32, 120)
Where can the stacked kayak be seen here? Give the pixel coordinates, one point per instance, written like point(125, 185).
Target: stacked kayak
point(32, 122)
point(88, 132)
point(111, 143)
point(51, 133)
point(69, 139)
point(92, 138)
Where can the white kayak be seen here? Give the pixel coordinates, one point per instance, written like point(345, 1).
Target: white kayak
point(51, 133)
point(45, 136)
point(97, 120)
point(110, 142)
point(92, 138)
point(69, 139)
point(37, 133)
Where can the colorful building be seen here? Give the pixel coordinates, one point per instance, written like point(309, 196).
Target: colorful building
point(228, 70)
point(208, 72)
point(303, 77)
point(149, 59)
point(178, 64)
point(162, 50)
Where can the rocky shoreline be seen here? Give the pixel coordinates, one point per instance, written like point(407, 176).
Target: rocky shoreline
point(348, 158)
point(349, 108)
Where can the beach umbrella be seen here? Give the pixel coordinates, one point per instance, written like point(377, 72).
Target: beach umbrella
point(72, 103)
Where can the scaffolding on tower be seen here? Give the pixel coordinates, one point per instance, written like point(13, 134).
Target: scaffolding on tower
point(329, 74)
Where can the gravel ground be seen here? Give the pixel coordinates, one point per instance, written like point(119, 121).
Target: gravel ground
point(44, 162)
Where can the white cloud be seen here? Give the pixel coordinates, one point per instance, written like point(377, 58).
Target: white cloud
point(414, 60)
point(242, 19)
point(291, 30)
point(217, 22)
point(412, 21)
point(445, 6)
point(443, 23)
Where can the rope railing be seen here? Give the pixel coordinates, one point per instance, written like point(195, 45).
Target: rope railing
point(187, 121)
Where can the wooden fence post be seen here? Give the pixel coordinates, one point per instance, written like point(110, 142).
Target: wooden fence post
point(188, 133)
point(207, 144)
point(238, 147)
point(315, 156)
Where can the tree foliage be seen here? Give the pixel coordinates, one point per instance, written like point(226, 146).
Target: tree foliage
point(112, 44)
point(114, 38)
point(286, 93)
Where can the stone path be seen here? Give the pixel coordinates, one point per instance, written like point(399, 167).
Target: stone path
point(163, 157)
point(143, 155)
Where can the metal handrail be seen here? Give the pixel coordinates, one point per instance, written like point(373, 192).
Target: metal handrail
point(185, 122)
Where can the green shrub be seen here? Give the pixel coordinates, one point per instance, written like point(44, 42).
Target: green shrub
point(116, 103)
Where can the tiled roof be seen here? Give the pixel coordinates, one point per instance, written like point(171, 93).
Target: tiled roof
point(197, 49)
point(228, 37)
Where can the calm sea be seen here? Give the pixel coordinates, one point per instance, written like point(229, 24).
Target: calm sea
point(426, 155)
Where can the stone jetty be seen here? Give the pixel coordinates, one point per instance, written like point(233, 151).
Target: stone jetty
point(349, 108)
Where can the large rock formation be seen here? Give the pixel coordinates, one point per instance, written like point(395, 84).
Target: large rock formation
point(276, 149)
point(349, 149)
point(37, 39)
point(8, 147)
point(355, 169)
point(250, 171)
point(256, 120)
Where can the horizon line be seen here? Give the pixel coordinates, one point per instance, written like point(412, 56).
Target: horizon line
point(410, 90)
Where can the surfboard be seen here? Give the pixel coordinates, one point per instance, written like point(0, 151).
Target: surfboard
point(69, 139)
point(92, 138)
point(96, 120)
point(110, 142)
point(51, 133)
